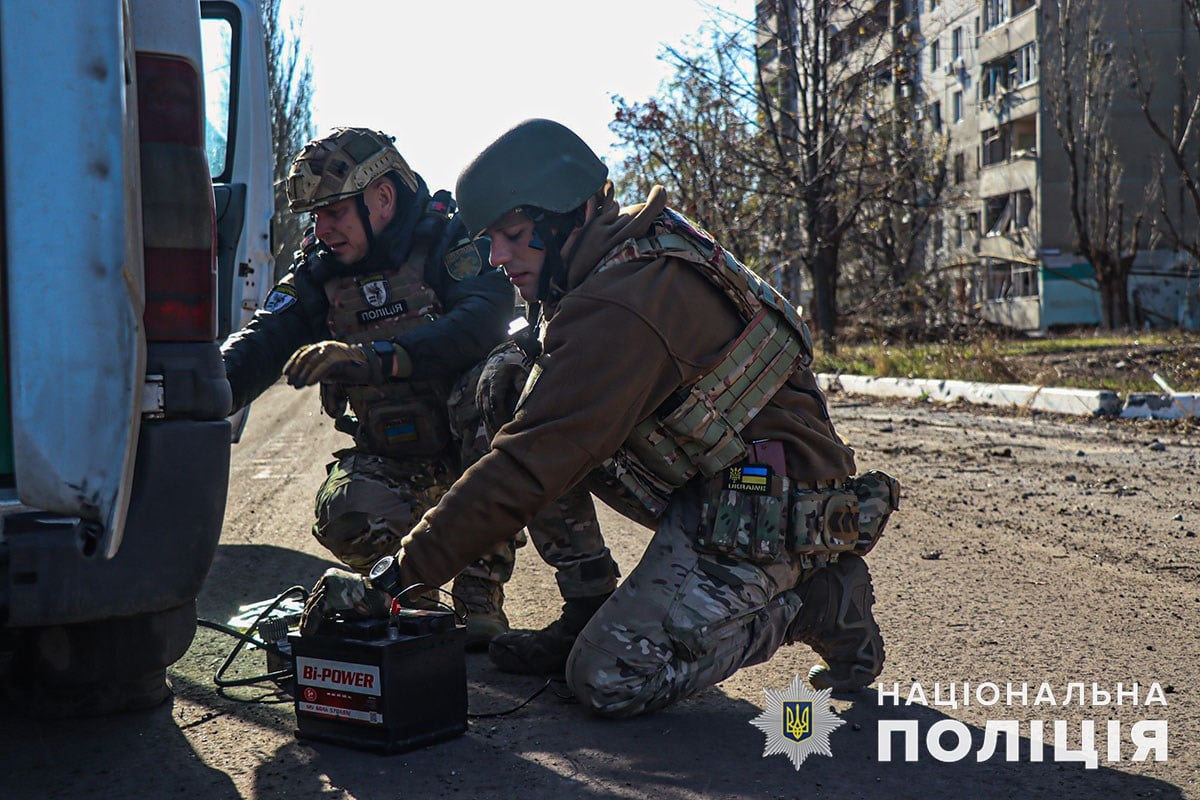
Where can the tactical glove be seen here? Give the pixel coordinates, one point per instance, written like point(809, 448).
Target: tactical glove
point(500, 385)
point(333, 399)
point(335, 362)
point(343, 593)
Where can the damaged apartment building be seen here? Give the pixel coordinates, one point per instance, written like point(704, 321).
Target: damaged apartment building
point(974, 75)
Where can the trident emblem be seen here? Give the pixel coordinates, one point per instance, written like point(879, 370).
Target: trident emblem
point(797, 719)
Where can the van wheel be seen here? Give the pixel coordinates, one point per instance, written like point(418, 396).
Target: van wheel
point(94, 668)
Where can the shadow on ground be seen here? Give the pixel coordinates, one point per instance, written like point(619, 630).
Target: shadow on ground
point(705, 747)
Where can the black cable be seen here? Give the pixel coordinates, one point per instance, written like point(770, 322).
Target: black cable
point(248, 638)
point(527, 701)
point(279, 676)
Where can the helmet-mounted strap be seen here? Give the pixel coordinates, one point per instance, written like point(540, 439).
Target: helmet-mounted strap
point(364, 214)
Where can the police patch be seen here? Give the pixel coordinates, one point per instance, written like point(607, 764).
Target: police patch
point(463, 262)
point(375, 290)
point(280, 298)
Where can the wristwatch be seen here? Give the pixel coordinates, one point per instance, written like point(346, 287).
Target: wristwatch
point(386, 350)
point(385, 575)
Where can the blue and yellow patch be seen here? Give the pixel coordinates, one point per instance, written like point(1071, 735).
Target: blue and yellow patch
point(797, 720)
point(400, 432)
point(750, 478)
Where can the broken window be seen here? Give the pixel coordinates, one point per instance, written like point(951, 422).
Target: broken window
point(995, 146)
point(1007, 213)
point(994, 13)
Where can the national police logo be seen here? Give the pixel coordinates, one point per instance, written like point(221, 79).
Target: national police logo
point(280, 298)
point(797, 722)
point(375, 292)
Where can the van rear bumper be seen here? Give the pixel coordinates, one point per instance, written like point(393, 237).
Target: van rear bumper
point(176, 511)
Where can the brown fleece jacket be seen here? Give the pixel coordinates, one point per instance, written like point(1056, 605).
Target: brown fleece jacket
point(617, 344)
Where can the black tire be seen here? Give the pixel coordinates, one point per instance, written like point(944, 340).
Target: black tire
point(95, 668)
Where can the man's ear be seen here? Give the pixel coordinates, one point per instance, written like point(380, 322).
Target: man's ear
point(385, 193)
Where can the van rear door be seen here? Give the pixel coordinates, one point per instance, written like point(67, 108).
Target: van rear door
point(72, 259)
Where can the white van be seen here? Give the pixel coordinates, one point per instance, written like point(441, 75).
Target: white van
point(135, 160)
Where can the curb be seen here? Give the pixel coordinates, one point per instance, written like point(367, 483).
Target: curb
point(1084, 402)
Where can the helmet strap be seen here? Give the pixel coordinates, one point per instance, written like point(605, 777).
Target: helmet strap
point(550, 232)
point(364, 214)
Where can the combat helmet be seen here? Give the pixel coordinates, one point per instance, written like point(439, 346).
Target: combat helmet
point(343, 164)
point(538, 163)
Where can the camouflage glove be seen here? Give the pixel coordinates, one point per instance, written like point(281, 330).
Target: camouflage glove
point(335, 362)
point(500, 385)
point(343, 593)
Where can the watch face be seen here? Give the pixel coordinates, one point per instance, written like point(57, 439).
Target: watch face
point(381, 566)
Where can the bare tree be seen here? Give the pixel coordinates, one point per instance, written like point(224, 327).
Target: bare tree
point(769, 132)
point(1080, 87)
point(693, 140)
point(289, 72)
point(1179, 131)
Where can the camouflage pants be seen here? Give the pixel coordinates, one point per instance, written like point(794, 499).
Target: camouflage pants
point(566, 534)
point(368, 502)
point(681, 621)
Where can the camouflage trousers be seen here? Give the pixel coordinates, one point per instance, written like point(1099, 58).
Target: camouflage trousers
point(368, 503)
point(682, 621)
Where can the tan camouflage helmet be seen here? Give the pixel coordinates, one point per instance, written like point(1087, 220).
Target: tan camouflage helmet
point(343, 164)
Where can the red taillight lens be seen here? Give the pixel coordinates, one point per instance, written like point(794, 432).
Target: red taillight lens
point(178, 295)
point(177, 203)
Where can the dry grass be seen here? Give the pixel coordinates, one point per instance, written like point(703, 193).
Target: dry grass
point(1121, 363)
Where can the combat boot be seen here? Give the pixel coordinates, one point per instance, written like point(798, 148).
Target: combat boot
point(836, 622)
point(481, 601)
point(545, 652)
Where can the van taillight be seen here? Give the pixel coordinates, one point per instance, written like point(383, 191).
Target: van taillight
point(178, 215)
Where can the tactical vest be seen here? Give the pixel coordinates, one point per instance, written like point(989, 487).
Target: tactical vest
point(398, 418)
point(697, 430)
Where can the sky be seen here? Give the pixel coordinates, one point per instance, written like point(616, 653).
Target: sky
point(447, 78)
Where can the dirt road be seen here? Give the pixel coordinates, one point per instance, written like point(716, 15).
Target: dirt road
point(1033, 551)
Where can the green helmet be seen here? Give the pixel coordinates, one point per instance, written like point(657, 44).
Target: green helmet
point(538, 163)
point(341, 165)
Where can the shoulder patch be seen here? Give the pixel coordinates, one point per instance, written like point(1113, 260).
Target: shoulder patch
point(281, 297)
point(463, 262)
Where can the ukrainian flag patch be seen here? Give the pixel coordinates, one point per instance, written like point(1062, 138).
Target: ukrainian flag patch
point(749, 478)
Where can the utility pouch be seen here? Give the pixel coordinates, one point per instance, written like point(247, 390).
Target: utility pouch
point(878, 496)
point(744, 514)
point(411, 427)
point(823, 521)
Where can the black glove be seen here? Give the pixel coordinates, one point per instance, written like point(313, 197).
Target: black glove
point(500, 385)
point(333, 399)
point(335, 362)
point(345, 594)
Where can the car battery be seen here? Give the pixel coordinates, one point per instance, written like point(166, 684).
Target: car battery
point(387, 685)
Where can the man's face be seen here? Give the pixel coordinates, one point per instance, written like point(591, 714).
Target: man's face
point(339, 226)
point(511, 238)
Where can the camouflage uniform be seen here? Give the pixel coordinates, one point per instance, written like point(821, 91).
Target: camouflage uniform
point(685, 620)
point(424, 292)
point(368, 502)
point(709, 423)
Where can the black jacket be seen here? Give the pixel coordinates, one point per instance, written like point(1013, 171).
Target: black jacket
point(475, 310)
